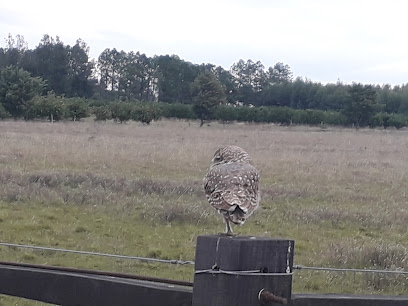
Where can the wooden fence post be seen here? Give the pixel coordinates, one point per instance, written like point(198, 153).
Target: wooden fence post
point(234, 270)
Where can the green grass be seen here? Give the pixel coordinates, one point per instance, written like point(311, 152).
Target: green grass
point(136, 190)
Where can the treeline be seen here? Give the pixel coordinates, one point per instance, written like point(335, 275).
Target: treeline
point(53, 71)
point(53, 108)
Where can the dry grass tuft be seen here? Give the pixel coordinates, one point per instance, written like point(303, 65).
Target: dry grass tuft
point(374, 255)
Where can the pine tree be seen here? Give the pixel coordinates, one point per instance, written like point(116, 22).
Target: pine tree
point(207, 93)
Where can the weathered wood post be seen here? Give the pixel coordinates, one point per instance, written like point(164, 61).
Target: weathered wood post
point(242, 270)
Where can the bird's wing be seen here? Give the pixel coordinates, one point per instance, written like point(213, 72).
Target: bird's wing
point(230, 185)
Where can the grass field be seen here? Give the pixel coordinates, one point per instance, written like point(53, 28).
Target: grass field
point(137, 190)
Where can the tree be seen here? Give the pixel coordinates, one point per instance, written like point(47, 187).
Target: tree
point(80, 71)
point(249, 77)
point(279, 73)
point(67, 70)
point(175, 77)
point(361, 106)
point(277, 94)
point(137, 77)
point(127, 76)
point(16, 43)
point(14, 51)
point(226, 79)
point(17, 88)
point(249, 73)
point(207, 93)
point(403, 93)
point(52, 64)
point(109, 62)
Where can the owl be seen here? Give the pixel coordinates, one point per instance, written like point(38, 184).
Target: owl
point(231, 185)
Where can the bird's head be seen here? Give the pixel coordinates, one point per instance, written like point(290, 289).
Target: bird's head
point(230, 154)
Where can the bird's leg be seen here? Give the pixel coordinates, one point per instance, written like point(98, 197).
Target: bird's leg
point(228, 229)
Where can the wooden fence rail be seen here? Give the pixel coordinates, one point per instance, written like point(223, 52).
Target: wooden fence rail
point(75, 288)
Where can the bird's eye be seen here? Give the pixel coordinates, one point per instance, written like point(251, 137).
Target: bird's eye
point(217, 158)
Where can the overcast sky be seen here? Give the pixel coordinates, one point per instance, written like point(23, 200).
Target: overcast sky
point(322, 40)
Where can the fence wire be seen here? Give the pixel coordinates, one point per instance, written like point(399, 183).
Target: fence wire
point(299, 267)
point(143, 259)
point(189, 262)
point(241, 273)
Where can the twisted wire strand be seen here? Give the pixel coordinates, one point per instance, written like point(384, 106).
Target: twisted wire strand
point(143, 259)
point(242, 273)
point(299, 267)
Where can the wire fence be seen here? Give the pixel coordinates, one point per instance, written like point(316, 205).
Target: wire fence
point(240, 273)
point(189, 262)
point(328, 269)
point(143, 259)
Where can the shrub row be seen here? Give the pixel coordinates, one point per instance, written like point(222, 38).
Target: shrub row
point(386, 120)
point(54, 107)
point(51, 107)
point(280, 115)
point(125, 111)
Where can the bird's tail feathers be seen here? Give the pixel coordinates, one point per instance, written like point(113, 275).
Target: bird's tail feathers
point(237, 216)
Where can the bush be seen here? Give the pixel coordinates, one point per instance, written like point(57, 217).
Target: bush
point(397, 120)
point(386, 120)
point(145, 113)
point(177, 110)
point(282, 115)
point(50, 106)
point(3, 113)
point(225, 113)
point(376, 120)
point(17, 88)
point(308, 116)
point(102, 113)
point(121, 111)
point(77, 108)
point(334, 118)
